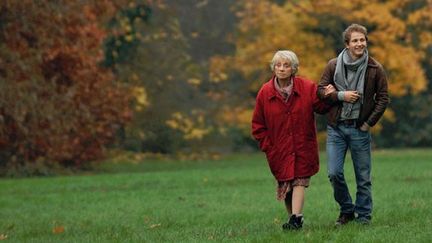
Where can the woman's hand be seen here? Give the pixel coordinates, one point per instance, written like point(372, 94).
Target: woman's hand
point(329, 89)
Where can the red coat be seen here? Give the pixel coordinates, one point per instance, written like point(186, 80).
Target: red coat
point(286, 131)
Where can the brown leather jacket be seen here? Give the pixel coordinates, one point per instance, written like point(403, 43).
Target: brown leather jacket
point(375, 99)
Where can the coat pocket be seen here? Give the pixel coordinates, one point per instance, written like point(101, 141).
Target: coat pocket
point(265, 144)
point(273, 159)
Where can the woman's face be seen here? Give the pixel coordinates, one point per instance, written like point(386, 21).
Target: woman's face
point(283, 69)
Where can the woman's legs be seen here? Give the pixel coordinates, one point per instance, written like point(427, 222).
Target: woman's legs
point(288, 203)
point(298, 194)
point(294, 201)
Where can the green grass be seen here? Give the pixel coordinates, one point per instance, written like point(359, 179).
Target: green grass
point(231, 200)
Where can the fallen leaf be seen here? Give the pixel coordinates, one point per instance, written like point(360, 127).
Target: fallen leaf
point(58, 229)
point(201, 205)
point(147, 219)
point(3, 237)
point(155, 226)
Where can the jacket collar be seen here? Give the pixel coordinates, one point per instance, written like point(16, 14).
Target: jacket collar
point(274, 92)
point(372, 62)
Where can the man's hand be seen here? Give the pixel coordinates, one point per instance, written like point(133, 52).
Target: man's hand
point(365, 127)
point(329, 89)
point(351, 96)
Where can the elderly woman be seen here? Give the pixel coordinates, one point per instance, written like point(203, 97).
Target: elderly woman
point(284, 124)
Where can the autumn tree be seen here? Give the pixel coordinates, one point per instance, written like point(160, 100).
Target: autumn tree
point(398, 31)
point(57, 104)
point(263, 28)
point(169, 109)
point(412, 124)
point(208, 28)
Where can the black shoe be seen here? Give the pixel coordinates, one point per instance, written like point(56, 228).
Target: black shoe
point(364, 220)
point(294, 223)
point(345, 218)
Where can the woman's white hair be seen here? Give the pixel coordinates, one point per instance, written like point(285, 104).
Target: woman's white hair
point(286, 55)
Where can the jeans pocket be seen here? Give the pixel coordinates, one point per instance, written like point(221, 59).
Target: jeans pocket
point(363, 133)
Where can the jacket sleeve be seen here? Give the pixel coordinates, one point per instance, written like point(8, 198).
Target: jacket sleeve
point(326, 79)
point(319, 106)
point(381, 97)
point(259, 127)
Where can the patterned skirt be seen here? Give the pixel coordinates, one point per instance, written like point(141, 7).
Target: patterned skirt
point(283, 187)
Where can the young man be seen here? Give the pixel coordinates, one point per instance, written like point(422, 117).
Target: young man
point(358, 103)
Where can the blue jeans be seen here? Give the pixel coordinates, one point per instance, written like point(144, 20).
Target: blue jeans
point(339, 140)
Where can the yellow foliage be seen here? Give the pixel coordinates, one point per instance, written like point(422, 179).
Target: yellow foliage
point(376, 129)
point(172, 124)
point(389, 115)
point(403, 75)
point(135, 77)
point(128, 28)
point(322, 138)
point(141, 97)
point(425, 39)
point(218, 68)
point(266, 27)
point(245, 116)
point(421, 17)
point(391, 36)
point(196, 133)
point(191, 127)
point(194, 81)
point(397, 39)
point(129, 38)
point(238, 116)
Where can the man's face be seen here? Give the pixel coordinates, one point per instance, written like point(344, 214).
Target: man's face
point(356, 45)
point(283, 69)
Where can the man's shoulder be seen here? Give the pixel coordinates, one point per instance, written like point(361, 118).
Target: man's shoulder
point(372, 62)
point(332, 61)
point(331, 65)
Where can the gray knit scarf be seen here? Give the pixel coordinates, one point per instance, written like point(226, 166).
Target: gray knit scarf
point(357, 71)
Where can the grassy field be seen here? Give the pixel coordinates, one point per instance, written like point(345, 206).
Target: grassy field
point(231, 200)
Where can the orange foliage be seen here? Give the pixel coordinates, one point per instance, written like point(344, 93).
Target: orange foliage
point(400, 32)
point(266, 27)
point(390, 33)
point(263, 29)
